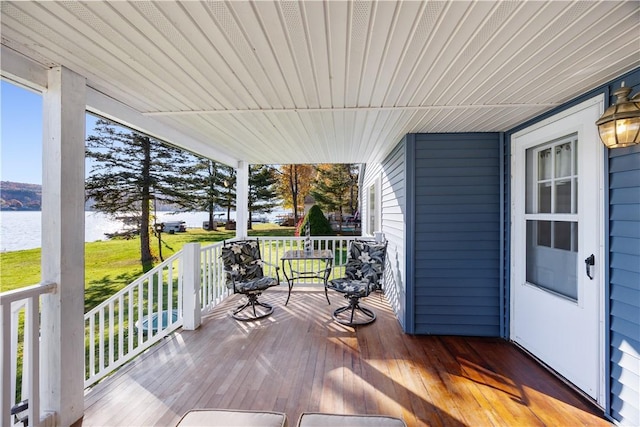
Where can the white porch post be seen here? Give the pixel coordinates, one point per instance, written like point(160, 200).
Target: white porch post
point(62, 364)
point(242, 199)
point(191, 282)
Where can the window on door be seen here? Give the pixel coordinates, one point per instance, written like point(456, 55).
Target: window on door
point(551, 216)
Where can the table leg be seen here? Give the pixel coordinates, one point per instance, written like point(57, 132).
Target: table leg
point(327, 272)
point(289, 280)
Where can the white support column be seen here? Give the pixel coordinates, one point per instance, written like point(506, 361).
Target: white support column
point(62, 366)
point(242, 199)
point(191, 283)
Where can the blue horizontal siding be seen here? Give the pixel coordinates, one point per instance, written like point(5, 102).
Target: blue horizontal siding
point(457, 234)
point(625, 196)
point(469, 253)
point(458, 208)
point(626, 178)
point(624, 283)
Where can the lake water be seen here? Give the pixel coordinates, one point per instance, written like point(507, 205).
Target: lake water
point(22, 230)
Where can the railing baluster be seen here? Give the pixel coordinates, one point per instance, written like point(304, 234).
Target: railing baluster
point(15, 309)
point(120, 326)
point(150, 306)
point(139, 310)
point(5, 357)
point(130, 320)
point(92, 345)
point(170, 294)
point(160, 304)
point(111, 330)
point(211, 295)
point(101, 338)
point(178, 287)
point(31, 365)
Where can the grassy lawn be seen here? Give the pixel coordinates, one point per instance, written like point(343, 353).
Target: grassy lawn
point(111, 265)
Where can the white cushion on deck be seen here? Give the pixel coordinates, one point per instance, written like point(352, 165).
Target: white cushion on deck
point(309, 419)
point(232, 418)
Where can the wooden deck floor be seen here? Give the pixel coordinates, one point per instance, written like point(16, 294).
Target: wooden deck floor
point(299, 359)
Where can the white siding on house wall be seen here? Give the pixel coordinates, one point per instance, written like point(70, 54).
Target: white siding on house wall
point(391, 176)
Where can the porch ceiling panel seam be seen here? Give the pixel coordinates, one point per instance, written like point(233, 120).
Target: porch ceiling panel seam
point(196, 45)
point(418, 47)
point(167, 48)
point(393, 93)
point(297, 32)
point(279, 59)
point(124, 61)
point(143, 53)
point(582, 58)
point(474, 49)
point(544, 47)
point(259, 54)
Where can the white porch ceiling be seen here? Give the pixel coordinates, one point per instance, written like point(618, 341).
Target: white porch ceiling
point(329, 81)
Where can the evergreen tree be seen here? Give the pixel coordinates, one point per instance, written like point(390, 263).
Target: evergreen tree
point(318, 224)
point(208, 187)
point(335, 188)
point(262, 190)
point(129, 171)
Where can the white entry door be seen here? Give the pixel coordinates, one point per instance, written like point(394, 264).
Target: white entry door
point(557, 259)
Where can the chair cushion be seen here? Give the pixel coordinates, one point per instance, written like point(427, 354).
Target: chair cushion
point(227, 417)
point(364, 269)
point(360, 288)
point(309, 419)
point(242, 261)
point(259, 284)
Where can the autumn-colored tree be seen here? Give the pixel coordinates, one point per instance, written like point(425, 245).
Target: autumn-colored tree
point(294, 184)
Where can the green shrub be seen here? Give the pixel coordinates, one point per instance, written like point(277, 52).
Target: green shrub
point(319, 224)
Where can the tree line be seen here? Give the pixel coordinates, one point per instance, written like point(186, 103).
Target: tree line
point(132, 173)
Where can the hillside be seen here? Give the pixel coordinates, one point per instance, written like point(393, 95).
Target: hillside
point(19, 196)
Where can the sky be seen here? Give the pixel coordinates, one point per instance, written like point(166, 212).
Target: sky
point(21, 134)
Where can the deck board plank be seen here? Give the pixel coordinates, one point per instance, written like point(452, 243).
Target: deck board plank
point(300, 360)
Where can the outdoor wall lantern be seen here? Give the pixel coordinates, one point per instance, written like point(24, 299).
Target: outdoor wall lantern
point(619, 126)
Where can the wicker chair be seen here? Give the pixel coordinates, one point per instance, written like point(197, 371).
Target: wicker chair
point(244, 274)
point(363, 275)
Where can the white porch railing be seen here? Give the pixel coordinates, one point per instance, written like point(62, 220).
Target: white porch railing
point(137, 316)
point(20, 352)
point(133, 319)
point(213, 290)
point(273, 248)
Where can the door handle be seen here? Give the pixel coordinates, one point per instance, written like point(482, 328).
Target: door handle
point(589, 262)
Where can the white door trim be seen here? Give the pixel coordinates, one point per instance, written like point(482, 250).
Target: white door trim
point(517, 211)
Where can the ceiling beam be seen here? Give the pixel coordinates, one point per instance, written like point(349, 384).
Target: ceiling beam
point(341, 109)
point(22, 71)
point(104, 106)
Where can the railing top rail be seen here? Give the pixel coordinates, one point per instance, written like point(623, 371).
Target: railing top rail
point(27, 292)
point(136, 282)
point(285, 238)
point(213, 245)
